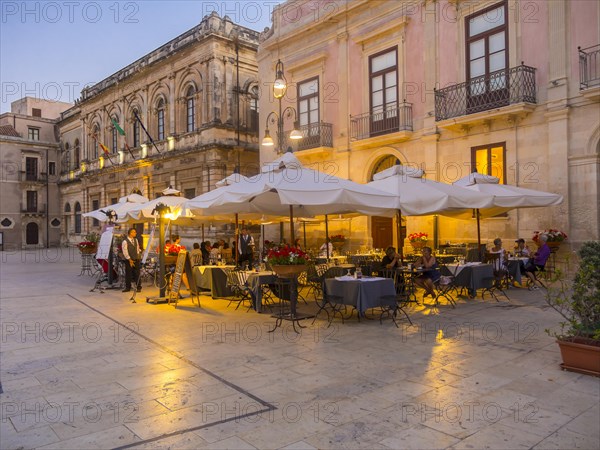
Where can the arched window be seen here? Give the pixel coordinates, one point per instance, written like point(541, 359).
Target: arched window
point(95, 153)
point(190, 109)
point(77, 218)
point(160, 120)
point(115, 136)
point(76, 155)
point(136, 128)
point(66, 162)
point(67, 207)
point(32, 234)
point(253, 93)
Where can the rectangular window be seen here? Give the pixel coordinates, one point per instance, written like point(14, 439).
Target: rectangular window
point(191, 113)
point(34, 134)
point(308, 102)
point(383, 88)
point(487, 57)
point(31, 169)
point(490, 160)
point(51, 168)
point(95, 206)
point(36, 112)
point(115, 137)
point(189, 193)
point(31, 201)
point(136, 133)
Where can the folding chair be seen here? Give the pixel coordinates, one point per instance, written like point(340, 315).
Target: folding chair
point(101, 270)
point(445, 284)
point(499, 275)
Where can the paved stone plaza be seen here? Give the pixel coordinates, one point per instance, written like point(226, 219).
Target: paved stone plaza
point(81, 369)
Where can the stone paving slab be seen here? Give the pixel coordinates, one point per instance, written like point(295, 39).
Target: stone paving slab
point(81, 369)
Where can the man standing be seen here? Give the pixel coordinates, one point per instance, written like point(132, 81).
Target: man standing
point(132, 252)
point(245, 248)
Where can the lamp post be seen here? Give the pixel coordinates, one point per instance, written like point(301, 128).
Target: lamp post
point(161, 209)
point(277, 118)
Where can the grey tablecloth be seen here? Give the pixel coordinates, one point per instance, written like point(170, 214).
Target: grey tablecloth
point(514, 268)
point(471, 277)
point(213, 279)
point(363, 294)
point(255, 281)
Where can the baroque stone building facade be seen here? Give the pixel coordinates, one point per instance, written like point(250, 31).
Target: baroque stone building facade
point(30, 214)
point(507, 87)
point(184, 115)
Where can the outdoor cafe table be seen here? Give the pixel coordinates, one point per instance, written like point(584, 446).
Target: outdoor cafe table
point(471, 276)
point(255, 281)
point(213, 279)
point(514, 267)
point(363, 293)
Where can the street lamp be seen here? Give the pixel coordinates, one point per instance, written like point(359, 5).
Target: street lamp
point(161, 209)
point(277, 119)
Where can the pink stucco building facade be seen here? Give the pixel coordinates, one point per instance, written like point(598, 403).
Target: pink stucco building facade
point(510, 88)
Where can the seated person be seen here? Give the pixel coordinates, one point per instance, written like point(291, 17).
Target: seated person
point(538, 262)
point(499, 262)
point(392, 259)
point(431, 274)
point(205, 248)
point(522, 250)
point(196, 255)
point(325, 247)
point(215, 253)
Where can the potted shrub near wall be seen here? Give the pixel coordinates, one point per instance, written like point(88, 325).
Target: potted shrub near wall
point(578, 301)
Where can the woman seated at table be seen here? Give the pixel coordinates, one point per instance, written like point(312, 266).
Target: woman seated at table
point(499, 262)
point(430, 274)
point(392, 259)
point(205, 248)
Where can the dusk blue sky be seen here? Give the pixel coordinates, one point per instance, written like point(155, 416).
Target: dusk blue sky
point(52, 49)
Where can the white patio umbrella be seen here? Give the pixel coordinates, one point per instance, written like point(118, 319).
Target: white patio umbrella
point(505, 197)
point(118, 210)
point(285, 186)
point(417, 196)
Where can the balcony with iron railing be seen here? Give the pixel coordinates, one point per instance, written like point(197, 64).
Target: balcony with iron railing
point(33, 209)
point(390, 120)
point(315, 135)
point(500, 89)
point(589, 68)
point(32, 177)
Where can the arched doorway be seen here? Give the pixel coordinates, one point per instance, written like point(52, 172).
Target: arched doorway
point(382, 228)
point(32, 234)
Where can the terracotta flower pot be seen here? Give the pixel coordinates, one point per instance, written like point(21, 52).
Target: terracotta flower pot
point(418, 244)
point(580, 356)
point(88, 250)
point(288, 271)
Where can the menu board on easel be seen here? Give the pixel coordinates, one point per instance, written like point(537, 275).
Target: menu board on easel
point(183, 263)
point(104, 246)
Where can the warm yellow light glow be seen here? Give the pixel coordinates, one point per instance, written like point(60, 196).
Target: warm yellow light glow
point(144, 150)
point(267, 140)
point(296, 134)
point(121, 157)
point(171, 142)
point(101, 162)
point(83, 167)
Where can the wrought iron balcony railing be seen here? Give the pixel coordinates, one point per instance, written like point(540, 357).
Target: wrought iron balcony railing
point(389, 120)
point(41, 177)
point(589, 67)
point(502, 88)
point(316, 135)
point(33, 208)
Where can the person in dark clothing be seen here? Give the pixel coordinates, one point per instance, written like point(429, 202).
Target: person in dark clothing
point(245, 248)
point(133, 255)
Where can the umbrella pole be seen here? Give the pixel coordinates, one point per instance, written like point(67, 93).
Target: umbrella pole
point(399, 234)
point(478, 232)
point(202, 232)
point(292, 225)
point(304, 226)
point(237, 240)
point(327, 236)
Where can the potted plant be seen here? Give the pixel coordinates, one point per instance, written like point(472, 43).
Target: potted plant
point(418, 240)
point(287, 261)
point(554, 237)
point(578, 301)
point(90, 244)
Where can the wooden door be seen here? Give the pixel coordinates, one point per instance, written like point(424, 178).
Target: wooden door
point(382, 231)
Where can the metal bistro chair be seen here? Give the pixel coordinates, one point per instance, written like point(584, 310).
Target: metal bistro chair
point(237, 284)
point(402, 297)
point(445, 284)
point(496, 283)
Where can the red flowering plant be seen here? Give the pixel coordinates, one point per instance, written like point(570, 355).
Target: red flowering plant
point(91, 241)
point(551, 235)
point(337, 238)
point(173, 249)
point(287, 256)
point(416, 237)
